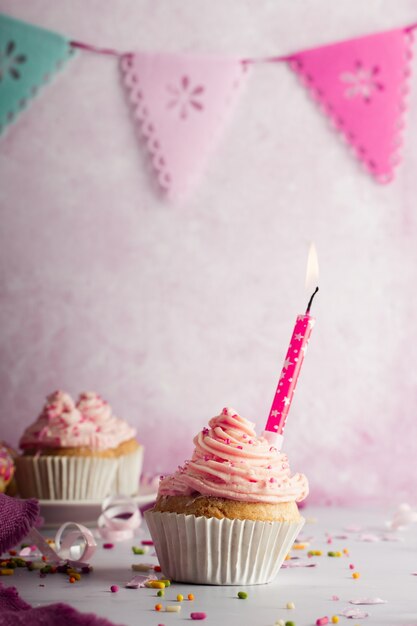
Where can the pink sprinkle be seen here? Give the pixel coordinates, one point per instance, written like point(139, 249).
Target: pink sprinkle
point(147, 542)
point(335, 598)
point(114, 588)
point(272, 480)
point(269, 467)
point(205, 431)
point(272, 449)
point(198, 615)
point(227, 440)
point(330, 540)
point(239, 448)
point(108, 546)
point(351, 566)
point(244, 436)
point(225, 411)
point(322, 620)
point(250, 441)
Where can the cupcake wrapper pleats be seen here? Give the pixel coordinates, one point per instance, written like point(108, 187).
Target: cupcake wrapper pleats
point(220, 552)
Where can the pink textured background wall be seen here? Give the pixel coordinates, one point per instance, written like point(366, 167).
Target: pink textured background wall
point(173, 312)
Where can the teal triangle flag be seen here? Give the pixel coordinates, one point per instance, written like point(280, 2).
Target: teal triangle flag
point(29, 56)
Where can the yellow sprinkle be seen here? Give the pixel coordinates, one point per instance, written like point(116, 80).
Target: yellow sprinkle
point(180, 597)
point(290, 605)
point(155, 584)
point(173, 608)
point(6, 572)
point(335, 619)
point(319, 553)
point(300, 546)
point(338, 554)
point(355, 575)
point(166, 582)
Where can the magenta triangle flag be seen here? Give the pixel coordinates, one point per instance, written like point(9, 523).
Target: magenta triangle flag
point(361, 85)
point(180, 105)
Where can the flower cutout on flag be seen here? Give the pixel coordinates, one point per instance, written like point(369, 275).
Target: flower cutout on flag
point(362, 82)
point(185, 97)
point(10, 62)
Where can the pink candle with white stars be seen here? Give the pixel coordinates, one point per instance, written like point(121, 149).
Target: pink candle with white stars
point(275, 425)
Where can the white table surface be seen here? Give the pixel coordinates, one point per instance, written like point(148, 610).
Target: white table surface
point(385, 569)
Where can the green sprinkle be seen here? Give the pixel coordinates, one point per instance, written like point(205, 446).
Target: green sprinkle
point(161, 593)
point(137, 550)
point(289, 623)
point(242, 595)
point(331, 554)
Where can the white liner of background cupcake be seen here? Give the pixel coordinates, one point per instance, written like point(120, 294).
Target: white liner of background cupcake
point(79, 478)
point(220, 552)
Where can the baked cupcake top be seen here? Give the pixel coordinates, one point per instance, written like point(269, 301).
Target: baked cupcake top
point(63, 424)
point(230, 461)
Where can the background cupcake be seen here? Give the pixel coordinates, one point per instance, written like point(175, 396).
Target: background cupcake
point(77, 452)
point(229, 515)
point(7, 469)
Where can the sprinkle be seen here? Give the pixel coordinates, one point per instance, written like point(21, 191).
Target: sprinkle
point(72, 579)
point(190, 596)
point(155, 584)
point(355, 575)
point(345, 551)
point(114, 588)
point(300, 546)
point(142, 567)
point(108, 546)
point(289, 624)
point(290, 605)
point(354, 613)
point(272, 480)
point(198, 615)
point(180, 597)
point(6, 572)
point(173, 608)
point(160, 593)
point(280, 622)
point(13, 553)
point(330, 540)
point(368, 601)
point(338, 553)
point(321, 621)
point(331, 554)
point(335, 598)
point(351, 566)
point(335, 619)
point(242, 595)
point(137, 550)
point(158, 607)
point(157, 568)
point(146, 542)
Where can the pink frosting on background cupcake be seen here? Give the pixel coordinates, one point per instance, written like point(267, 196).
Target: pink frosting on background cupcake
point(64, 424)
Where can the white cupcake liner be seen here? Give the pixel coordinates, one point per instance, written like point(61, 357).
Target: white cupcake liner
point(65, 478)
point(208, 551)
point(129, 468)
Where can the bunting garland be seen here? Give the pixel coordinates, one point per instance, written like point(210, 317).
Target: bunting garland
point(29, 56)
point(180, 103)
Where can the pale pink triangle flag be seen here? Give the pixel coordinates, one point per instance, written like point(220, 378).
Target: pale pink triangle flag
point(361, 85)
point(180, 104)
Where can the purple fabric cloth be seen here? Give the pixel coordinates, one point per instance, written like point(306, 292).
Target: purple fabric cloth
point(16, 519)
point(16, 612)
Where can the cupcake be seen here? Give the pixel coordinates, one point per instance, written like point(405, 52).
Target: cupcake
point(78, 451)
point(7, 468)
point(228, 516)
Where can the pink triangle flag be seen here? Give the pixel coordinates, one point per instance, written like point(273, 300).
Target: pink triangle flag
point(361, 85)
point(180, 105)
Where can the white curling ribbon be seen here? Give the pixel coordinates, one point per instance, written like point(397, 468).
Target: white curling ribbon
point(73, 542)
point(119, 519)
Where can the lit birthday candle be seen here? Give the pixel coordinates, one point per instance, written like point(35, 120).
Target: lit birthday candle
point(275, 425)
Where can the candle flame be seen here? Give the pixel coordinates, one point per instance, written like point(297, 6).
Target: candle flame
point(312, 272)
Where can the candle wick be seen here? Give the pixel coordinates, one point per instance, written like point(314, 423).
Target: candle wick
point(310, 302)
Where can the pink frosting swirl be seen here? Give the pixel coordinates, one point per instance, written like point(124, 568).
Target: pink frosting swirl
point(230, 461)
point(63, 424)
